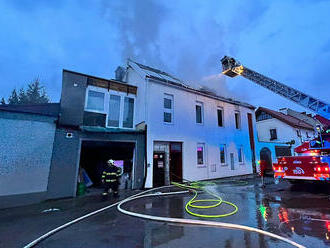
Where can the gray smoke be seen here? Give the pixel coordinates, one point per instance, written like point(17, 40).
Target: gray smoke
point(184, 38)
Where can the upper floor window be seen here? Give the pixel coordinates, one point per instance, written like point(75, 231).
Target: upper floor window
point(298, 133)
point(240, 155)
point(199, 112)
point(263, 116)
point(128, 112)
point(168, 108)
point(114, 111)
point(95, 100)
point(200, 153)
point(220, 117)
point(117, 107)
point(273, 134)
point(223, 154)
point(237, 120)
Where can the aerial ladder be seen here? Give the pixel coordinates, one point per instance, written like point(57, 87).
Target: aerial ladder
point(232, 68)
point(313, 160)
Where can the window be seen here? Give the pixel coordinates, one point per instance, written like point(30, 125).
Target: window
point(114, 111)
point(237, 120)
point(223, 154)
point(95, 100)
point(298, 133)
point(220, 117)
point(240, 155)
point(263, 116)
point(199, 112)
point(128, 112)
point(273, 134)
point(200, 154)
point(168, 108)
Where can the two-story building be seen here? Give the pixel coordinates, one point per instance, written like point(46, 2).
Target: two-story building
point(280, 132)
point(96, 123)
point(191, 134)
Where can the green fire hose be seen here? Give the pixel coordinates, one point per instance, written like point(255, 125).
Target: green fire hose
point(216, 201)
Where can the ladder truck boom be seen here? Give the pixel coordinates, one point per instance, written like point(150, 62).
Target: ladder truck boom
point(232, 68)
point(313, 160)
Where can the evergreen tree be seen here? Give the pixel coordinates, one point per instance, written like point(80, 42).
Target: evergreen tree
point(22, 98)
point(13, 99)
point(36, 93)
point(3, 101)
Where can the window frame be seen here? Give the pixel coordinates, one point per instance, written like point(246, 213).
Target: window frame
point(169, 111)
point(201, 104)
point(96, 89)
point(240, 148)
point(222, 116)
point(270, 133)
point(225, 154)
point(239, 120)
point(107, 94)
point(204, 154)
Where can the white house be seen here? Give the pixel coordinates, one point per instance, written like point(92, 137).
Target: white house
point(279, 133)
point(191, 134)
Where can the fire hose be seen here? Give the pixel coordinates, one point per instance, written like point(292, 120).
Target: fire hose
point(165, 219)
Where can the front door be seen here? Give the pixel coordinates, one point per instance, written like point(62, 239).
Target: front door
point(159, 169)
point(176, 162)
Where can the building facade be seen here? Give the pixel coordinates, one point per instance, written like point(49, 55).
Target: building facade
point(280, 132)
point(191, 134)
point(27, 139)
point(96, 123)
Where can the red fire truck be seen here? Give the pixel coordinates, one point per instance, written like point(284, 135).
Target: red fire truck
point(311, 163)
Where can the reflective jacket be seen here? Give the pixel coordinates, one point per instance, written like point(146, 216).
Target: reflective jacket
point(111, 174)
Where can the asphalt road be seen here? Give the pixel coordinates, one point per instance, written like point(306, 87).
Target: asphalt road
point(299, 213)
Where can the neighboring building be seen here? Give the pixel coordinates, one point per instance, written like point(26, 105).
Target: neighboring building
point(191, 134)
point(279, 133)
point(97, 122)
point(27, 136)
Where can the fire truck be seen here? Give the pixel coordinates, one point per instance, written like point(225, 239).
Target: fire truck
point(312, 160)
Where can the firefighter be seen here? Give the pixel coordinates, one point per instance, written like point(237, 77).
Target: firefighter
point(110, 178)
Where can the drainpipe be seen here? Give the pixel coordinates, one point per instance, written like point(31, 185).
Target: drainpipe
point(146, 131)
point(145, 157)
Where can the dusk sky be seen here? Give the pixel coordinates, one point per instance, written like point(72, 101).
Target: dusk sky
point(286, 40)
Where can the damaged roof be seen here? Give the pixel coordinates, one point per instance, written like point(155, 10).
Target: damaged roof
point(288, 119)
point(166, 78)
point(46, 109)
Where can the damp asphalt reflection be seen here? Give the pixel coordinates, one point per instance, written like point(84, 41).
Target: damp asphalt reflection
point(300, 213)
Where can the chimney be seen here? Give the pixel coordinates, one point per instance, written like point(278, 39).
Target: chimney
point(120, 73)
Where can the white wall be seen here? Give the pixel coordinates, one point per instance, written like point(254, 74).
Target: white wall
point(25, 155)
point(285, 132)
point(184, 129)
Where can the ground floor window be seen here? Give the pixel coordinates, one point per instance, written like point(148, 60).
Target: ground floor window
point(223, 155)
point(200, 153)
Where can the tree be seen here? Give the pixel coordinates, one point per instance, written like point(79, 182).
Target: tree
point(22, 98)
point(13, 98)
point(36, 93)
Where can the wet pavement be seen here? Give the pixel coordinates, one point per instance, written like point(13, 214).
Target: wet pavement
point(300, 213)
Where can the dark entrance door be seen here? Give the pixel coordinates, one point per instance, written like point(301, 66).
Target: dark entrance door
point(266, 155)
point(159, 169)
point(176, 162)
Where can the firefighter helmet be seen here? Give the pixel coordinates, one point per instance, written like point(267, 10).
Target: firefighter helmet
point(111, 162)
